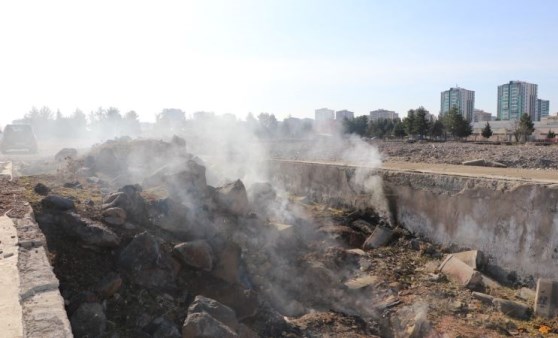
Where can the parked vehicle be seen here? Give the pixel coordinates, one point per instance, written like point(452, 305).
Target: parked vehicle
point(18, 138)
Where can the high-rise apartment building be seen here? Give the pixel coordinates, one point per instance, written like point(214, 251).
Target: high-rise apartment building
point(480, 115)
point(323, 114)
point(383, 114)
point(543, 108)
point(461, 98)
point(517, 98)
point(344, 114)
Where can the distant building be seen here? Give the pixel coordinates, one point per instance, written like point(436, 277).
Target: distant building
point(461, 98)
point(383, 114)
point(324, 114)
point(543, 108)
point(344, 114)
point(480, 115)
point(517, 98)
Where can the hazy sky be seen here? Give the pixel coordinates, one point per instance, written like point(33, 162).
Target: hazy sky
point(282, 57)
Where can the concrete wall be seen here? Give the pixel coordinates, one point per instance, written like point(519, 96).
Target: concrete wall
point(513, 222)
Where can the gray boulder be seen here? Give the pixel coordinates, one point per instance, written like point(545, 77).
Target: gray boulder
point(146, 264)
point(66, 154)
point(114, 216)
point(221, 312)
point(88, 231)
point(57, 203)
point(203, 325)
point(197, 254)
point(129, 199)
point(89, 320)
point(233, 198)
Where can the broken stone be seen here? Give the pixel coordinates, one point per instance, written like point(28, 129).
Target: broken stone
point(380, 237)
point(185, 181)
point(109, 285)
point(66, 154)
point(546, 299)
point(473, 258)
point(204, 325)
point(460, 272)
point(164, 328)
point(73, 185)
point(89, 231)
point(232, 198)
point(484, 163)
point(197, 254)
point(483, 297)
point(146, 264)
point(129, 199)
point(57, 203)
point(362, 282)
point(114, 216)
point(41, 189)
point(526, 294)
point(512, 309)
point(89, 320)
point(362, 226)
point(228, 263)
point(246, 332)
point(221, 312)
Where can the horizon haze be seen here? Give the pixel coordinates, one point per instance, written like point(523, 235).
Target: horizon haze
point(280, 57)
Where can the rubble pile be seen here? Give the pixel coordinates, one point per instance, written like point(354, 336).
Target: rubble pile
point(528, 156)
point(167, 255)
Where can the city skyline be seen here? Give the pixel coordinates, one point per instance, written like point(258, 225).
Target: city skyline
point(281, 57)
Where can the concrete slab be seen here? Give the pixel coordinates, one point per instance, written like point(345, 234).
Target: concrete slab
point(11, 319)
point(45, 316)
point(36, 274)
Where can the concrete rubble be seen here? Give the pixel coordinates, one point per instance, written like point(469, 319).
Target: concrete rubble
point(152, 250)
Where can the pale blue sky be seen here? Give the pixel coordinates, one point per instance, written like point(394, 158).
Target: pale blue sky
point(282, 57)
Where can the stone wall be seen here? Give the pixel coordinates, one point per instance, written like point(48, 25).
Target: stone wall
point(514, 222)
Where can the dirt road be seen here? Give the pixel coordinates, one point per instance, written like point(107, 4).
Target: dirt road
point(532, 175)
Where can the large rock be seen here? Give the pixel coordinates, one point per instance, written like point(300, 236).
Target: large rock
point(261, 195)
point(232, 198)
point(197, 254)
point(89, 320)
point(41, 189)
point(129, 199)
point(185, 181)
point(203, 325)
point(228, 263)
point(221, 312)
point(146, 264)
point(66, 154)
point(57, 203)
point(114, 216)
point(88, 231)
point(512, 309)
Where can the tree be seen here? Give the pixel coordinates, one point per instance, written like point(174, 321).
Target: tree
point(409, 123)
point(399, 129)
point(421, 122)
point(550, 134)
point(486, 131)
point(358, 125)
point(380, 128)
point(436, 129)
point(455, 124)
point(525, 128)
